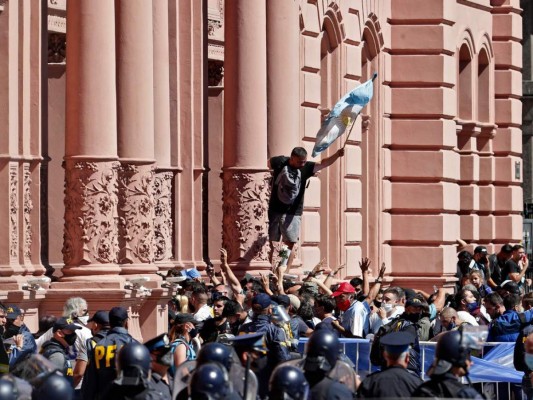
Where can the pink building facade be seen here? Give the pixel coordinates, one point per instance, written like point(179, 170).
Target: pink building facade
point(140, 144)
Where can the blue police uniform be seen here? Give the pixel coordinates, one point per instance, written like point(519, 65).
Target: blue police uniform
point(53, 347)
point(101, 370)
point(28, 346)
point(275, 339)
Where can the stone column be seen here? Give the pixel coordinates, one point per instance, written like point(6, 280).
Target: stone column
point(246, 178)
point(91, 235)
point(135, 99)
point(283, 76)
point(164, 174)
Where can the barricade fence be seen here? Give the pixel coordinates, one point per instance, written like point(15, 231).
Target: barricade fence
point(492, 373)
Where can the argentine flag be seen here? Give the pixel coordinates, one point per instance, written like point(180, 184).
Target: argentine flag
point(343, 113)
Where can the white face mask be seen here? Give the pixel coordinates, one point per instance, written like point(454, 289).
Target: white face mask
point(388, 307)
point(84, 319)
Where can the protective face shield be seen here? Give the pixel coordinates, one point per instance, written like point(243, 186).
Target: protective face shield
point(133, 365)
point(8, 388)
point(279, 315)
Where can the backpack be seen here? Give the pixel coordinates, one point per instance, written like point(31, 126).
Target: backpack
point(376, 351)
point(288, 182)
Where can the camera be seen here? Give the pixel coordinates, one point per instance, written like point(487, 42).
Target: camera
point(36, 282)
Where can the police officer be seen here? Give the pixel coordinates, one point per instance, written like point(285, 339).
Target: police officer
point(452, 362)
point(395, 380)
point(321, 358)
point(519, 359)
point(101, 371)
point(275, 338)
point(99, 326)
point(55, 386)
point(56, 349)
point(210, 381)
point(288, 383)
point(161, 360)
point(133, 375)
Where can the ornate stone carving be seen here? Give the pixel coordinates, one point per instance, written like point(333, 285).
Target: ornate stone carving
point(136, 208)
point(57, 48)
point(215, 72)
point(163, 225)
point(91, 218)
point(13, 211)
point(212, 26)
point(245, 221)
point(27, 210)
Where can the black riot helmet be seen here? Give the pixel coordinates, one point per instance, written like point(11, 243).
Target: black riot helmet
point(215, 352)
point(322, 351)
point(55, 386)
point(209, 382)
point(450, 352)
point(133, 364)
point(288, 383)
point(8, 388)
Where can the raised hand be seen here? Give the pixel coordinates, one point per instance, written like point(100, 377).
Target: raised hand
point(382, 270)
point(364, 264)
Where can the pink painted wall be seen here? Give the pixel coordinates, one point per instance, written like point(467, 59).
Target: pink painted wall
point(431, 159)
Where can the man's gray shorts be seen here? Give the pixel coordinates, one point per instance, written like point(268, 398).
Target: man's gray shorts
point(284, 226)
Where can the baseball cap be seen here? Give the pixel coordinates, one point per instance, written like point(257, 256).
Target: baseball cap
point(191, 273)
point(480, 249)
point(117, 315)
point(344, 287)
point(100, 317)
point(295, 302)
point(184, 318)
point(12, 311)
point(65, 323)
point(262, 300)
point(250, 341)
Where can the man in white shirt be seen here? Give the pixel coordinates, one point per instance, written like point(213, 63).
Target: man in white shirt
point(354, 318)
point(391, 307)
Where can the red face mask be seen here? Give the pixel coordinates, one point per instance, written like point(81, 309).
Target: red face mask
point(344, 305)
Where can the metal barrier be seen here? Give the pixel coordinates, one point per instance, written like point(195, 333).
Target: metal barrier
point(492, 373)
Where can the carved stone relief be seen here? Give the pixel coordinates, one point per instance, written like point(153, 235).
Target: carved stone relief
point(27, 210)
point(215, 72)
point(136, 208)
point(13, 211)
point(91, 218)
point(163, 225)
point(57, 48)
point(245, 221)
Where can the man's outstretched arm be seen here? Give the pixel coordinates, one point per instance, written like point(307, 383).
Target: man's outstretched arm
point(326, 162)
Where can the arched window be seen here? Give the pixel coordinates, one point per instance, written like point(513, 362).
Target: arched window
point(483, 87)
point(464, 91)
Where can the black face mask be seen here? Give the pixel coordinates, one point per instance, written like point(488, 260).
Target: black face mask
point(259, 364)
point(193, 332)
point(377, 303)
point(71, 338)
point(413, 317)
point(11, 330)
point(166, 359)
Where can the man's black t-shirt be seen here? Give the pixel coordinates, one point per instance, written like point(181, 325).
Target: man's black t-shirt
point(296, 208)
point(511, 267)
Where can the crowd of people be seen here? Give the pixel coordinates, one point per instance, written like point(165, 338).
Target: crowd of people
point(233, 338)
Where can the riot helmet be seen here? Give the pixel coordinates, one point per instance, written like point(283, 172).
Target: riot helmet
point(133, 364)
point(215, 352)
point(55, 386)
point(209, 381)
point(449, 353)
point(288, 383)
point(8, 388)
point(322, 351)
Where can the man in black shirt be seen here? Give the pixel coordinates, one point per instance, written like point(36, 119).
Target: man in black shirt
point(286, 203)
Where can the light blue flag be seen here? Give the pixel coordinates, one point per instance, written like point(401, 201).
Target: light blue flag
point(343, 113)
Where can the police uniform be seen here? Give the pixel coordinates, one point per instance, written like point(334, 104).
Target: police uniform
point(57, 354)
point(101, 371)
point(275, 338)
point(394, 381)
point(160, 346)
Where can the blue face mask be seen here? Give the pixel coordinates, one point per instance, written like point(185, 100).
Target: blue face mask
point(472, 306)
point(451, 326)
point(528, 358)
